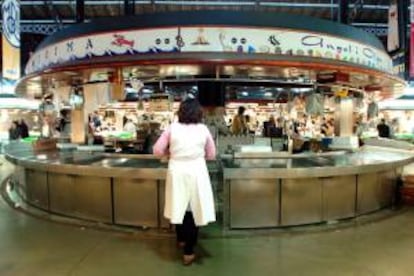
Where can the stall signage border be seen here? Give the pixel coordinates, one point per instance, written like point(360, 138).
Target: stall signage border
point(243, 40)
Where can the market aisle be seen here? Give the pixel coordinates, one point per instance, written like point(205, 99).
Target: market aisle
point(30, 246)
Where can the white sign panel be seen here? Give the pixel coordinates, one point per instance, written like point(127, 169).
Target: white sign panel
point(11, 22)
point(241, 40)
point(412, 11)
point(10, 44)
point(393, 38)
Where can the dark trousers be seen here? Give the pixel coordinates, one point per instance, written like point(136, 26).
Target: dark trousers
point(187, 233)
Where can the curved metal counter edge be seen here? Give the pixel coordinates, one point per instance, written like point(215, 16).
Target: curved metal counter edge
point(87, 170)
point(253, 172)
point(134, 196)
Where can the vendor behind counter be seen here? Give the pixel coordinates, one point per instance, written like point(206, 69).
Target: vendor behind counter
point(133, 138)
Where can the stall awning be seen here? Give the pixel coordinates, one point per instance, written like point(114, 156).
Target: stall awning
point(11, 101)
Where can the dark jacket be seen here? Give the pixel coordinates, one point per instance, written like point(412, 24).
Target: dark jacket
point(24, 130)
point(14, 134)
point(383, 130)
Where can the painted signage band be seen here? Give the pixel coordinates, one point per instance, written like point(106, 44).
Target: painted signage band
point(243, 40)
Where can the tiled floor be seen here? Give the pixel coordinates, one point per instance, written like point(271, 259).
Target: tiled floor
point(29, 246)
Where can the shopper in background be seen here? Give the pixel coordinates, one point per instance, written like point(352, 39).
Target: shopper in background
point(268, 126)
point(239, 125)
point(394, 127)
point(96, 120)
point(124, 120)
point(327, 127)
point(24, 129)
point(14, 132)
point(220, 121)
point(130, 126)
point(215, 121)
point(383, 129)
point(250, 125)
point(189, 199)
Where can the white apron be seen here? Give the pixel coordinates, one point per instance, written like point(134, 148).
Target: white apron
point(188, 186)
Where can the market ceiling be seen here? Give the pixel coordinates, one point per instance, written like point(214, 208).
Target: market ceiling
point(48, 16)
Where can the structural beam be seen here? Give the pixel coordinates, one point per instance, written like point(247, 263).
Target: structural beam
point(298, 4)
point(343, 11)
point(80, 11)
point(50, 27)
point(53, 12)
point(403, 25)
point(171, 2)
point(205, 3)
point(371, 7)
point(129, 7)
point(87, 3)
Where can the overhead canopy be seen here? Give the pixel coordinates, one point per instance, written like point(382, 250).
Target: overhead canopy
point(405, 102)
point(211, 44)
point(11, 101)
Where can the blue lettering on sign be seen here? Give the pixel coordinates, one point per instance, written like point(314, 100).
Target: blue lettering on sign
point(312, 40)
point(69, 46)
point(369, 53)
point(315, 40)
point(318, 41)
point(89, 45)
point(11, 21)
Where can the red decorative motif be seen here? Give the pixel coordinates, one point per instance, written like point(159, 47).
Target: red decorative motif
point(120, 40)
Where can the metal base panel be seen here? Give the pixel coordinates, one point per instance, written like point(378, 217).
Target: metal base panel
point(163, 222)
point(37, 192)
point(388, 185)
point(338, 196)
point(61, 194)
point(93, 199)
point(136, 202)
point(301, 201)
point(254, 203)
point(368, 193)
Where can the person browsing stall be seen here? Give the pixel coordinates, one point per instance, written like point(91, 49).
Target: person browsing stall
point(239, 125)
point(130, 126)
point(383, 129)
point(189, 201)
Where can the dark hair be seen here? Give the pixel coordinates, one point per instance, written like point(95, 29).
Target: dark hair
point(241, 110)
point(190, 112)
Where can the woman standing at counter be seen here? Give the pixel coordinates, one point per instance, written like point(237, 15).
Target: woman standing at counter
point(189, 199)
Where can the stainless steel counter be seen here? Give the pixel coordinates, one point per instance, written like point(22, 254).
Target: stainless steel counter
point(92, 186)
point(286, 191)
point(258, 192)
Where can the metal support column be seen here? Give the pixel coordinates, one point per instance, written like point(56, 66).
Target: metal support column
point(403, 21)
point(343, 117)
point(129, 7)
point(153, 5)
point(80, 11)
point(343, 11)
point(257, 5)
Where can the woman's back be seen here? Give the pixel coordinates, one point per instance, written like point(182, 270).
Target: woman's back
point(188, 141)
